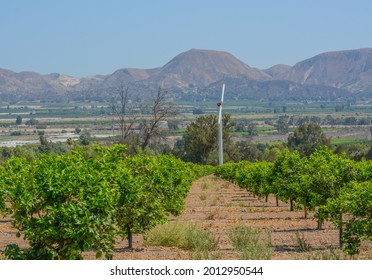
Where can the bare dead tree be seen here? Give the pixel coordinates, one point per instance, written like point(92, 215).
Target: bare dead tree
point(161, 110)
point(125, 113)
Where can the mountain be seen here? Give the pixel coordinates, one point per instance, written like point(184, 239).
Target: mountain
point(200, 68)
point(277, 70)
point(273, 90)
point(23, 81)
point(350, 70)
point(195, 73)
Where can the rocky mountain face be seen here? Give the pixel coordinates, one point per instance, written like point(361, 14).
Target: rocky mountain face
point(197, 74)
point(350, 70)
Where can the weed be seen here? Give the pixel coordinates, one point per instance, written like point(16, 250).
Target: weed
point(301, 243)
point(252, 244)
point(213, 215)
point(167, 235)
point(329, 254)
point(202, 196)
point(214, 201)
point(229, 204)
point(201, 243)
point(204, 186)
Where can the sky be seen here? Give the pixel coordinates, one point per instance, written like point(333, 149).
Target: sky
point(89, 37)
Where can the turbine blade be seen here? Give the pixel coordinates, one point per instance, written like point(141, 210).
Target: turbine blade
point(223, 92)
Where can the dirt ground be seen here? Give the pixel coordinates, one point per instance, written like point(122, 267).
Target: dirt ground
point(219, 206)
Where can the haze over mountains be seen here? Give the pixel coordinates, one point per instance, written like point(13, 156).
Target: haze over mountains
point(198, 74)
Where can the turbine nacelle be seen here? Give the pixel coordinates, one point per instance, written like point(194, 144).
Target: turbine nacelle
point(219, 105)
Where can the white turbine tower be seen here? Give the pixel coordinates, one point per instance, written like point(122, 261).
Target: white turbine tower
point(220, 142)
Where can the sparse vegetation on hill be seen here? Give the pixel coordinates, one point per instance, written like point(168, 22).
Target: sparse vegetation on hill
point(193, 75)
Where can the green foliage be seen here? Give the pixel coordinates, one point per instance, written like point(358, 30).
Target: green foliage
point(199, 241)
point(286, 176)
point(18, 120)
point(32, 121)
point(253, 244)
point(282, 125)
point(156, 186)
point(168, 235)
point(364, 170)
point(2, 191)
point(356, 202)
point(336, 187)
point(307, 138)
point(62, 204)
point(67, 204)
point(228, 171)
point(15, 133)
point(85, 137)
point(201, 137)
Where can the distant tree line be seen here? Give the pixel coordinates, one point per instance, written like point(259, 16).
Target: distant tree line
point(199, 141)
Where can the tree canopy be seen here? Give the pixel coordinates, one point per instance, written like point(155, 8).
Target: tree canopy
point(307, 138)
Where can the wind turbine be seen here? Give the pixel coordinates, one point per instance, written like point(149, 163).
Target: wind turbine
point(220, 143)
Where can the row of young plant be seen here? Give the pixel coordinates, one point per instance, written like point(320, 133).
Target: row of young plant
point(336, 188)
point(66, 204)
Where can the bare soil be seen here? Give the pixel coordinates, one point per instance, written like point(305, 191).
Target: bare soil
point(219, 206)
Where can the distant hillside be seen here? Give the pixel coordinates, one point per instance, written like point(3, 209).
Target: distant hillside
point(199, 68)
point(195, 74)
point(277, 70)
point(246, 89)
point(350, 70)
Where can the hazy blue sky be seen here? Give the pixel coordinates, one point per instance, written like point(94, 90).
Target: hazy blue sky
point(85, 37)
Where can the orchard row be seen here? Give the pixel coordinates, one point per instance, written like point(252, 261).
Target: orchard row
point(66, 204)
point(335, 187)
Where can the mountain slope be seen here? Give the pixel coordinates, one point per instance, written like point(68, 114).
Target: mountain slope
point(350, 70)
point(273, 90)
point(22, 82)
point(202, 67)
point(277, 70)
point(192, 73)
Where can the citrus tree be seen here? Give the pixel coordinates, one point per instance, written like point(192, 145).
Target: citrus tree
point(286, 176)
point(326, 174)
point(66, 204)
point(254, 177)
point(355, 203)
point(63, 205)
point(157, 187)
point(2, 191)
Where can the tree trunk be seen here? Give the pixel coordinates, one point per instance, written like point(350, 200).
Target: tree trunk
point(291, 204)
point(320, 224)
point(277, 201)
point(305, 211)
point(341, 230)
point(267, 198)
point(130, 238)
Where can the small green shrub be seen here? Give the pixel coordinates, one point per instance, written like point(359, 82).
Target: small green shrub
point(202, 196)
point(202, 243)
point(252, 244)
point(329, 254)
point(167, 235)
point(15, 133)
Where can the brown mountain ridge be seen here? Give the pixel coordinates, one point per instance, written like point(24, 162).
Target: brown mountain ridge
point(339, 73)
